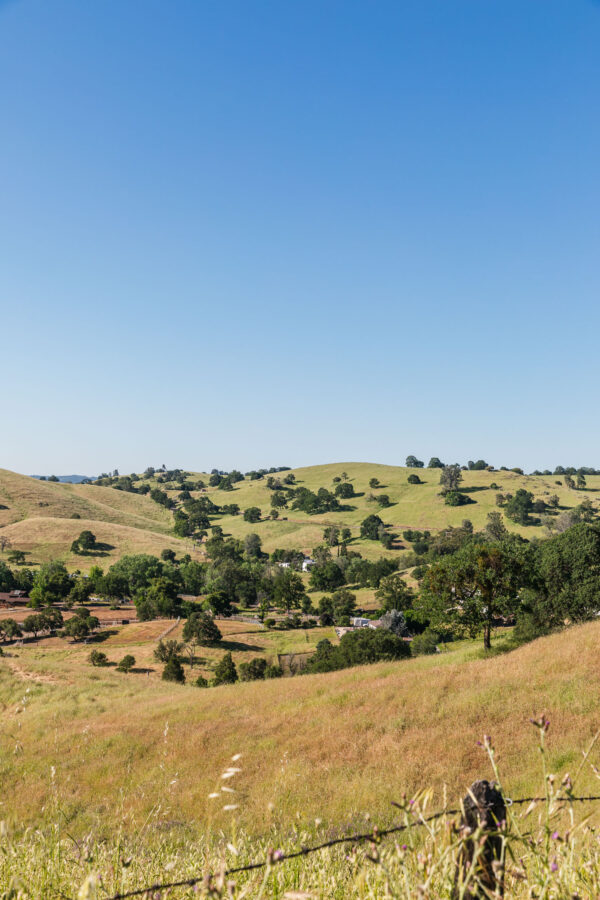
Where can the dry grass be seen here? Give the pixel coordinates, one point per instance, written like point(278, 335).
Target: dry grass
point(332, 746)
point(45, 539)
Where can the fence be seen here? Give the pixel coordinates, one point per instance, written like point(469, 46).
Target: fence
point(482, 828)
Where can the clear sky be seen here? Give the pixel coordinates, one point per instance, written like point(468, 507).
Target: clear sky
point(242, 233)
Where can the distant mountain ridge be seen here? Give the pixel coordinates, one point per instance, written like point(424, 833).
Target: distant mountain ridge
point(66, 479)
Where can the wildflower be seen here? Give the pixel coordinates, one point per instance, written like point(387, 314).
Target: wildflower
point(542, 723)
point(554, 867)
point(555, 835)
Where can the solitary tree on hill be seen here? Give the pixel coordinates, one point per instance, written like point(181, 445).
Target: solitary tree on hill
point(126, 664)
point(451, 477)
point(203, 628)
point(86, 540)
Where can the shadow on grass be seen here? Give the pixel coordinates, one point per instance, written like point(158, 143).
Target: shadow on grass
point(239, 646)
point(101, 636)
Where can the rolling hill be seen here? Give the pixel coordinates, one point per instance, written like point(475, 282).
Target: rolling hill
point(43, 517)
point(334, 746)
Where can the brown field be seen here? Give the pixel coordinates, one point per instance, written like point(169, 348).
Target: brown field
point(333, 746)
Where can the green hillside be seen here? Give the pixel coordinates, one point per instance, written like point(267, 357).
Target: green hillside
point(413, 506)
point(36, 514)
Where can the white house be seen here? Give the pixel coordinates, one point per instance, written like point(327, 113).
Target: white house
point(307, 563)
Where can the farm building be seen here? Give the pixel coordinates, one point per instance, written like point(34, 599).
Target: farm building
point(13, 598)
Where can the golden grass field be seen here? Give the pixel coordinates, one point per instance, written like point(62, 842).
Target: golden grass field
point(38, 515)
point(332, 746)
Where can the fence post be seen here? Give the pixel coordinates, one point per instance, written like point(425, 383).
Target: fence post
point(483, 809)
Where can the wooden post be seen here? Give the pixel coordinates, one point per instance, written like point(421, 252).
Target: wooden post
point(484, 810)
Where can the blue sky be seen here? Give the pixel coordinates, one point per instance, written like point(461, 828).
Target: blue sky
point(237, 234)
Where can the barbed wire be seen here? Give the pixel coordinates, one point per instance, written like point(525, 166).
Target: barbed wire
point(276, 857)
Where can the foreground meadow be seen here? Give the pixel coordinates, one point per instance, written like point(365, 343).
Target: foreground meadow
point(331, 746)
point(111, 782)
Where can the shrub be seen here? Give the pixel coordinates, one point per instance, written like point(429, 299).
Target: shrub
point(414, 479)
point(366, 645)
point(201, 682)
point(253, 670)
point(126, 664)
point(97, 658)
point(173, 671)
point(455, 498)
point(225, 671)
point(273, 672)
point(425, 643)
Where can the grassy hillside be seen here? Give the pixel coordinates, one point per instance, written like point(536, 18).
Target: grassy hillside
point(37, 512)
point(46, 538)
point(39, 518)
point(331, 746)
point(413, 506)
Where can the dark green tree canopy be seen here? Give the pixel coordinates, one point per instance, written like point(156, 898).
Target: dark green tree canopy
point(369, 527)
point(225, 671)
point(202, 628)
point(519, 507)
point(51, 585)
point(476, 584)
point(569, 568)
